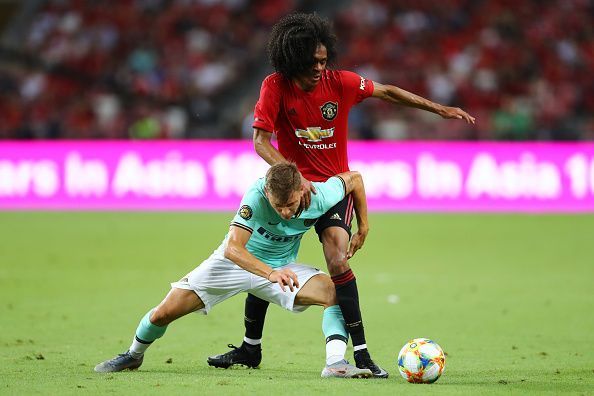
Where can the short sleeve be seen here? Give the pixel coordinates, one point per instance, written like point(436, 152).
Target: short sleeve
point(328, 194)
point(355, 87)
point(248, 209)
point(268, 105)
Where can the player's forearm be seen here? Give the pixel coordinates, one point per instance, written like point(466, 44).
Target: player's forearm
point(402, 97)
point(360, 204)
point(354, 185)
point(244, 259)
point(265, 149)
point(360, 207)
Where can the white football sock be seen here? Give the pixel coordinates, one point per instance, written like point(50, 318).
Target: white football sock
point(335, 350)
point(137, 349)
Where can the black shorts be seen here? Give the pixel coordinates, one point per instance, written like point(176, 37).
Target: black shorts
point(340, 215)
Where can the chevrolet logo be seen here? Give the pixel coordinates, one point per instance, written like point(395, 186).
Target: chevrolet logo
point(314, 134)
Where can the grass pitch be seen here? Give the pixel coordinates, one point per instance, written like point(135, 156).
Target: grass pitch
point(510, 298)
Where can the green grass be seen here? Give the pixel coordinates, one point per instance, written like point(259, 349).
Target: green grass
point(510, 298)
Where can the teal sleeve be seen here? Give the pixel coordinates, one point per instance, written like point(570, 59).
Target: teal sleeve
point(248, 208)
point(329, 193)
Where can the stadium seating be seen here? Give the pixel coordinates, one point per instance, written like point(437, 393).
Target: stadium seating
point(127, 68)
point(167, 69)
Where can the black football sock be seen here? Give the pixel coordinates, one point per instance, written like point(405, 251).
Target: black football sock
point(255, 314)
point(348, 299)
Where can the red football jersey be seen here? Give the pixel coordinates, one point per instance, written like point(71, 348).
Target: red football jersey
point(311, 127)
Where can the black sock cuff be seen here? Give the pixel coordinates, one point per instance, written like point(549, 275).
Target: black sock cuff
point(337, 337)
point(142, 341)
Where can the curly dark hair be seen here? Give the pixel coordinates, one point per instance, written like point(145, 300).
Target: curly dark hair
point(294, 40)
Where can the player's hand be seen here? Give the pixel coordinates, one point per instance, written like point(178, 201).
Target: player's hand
point(357, 241)
point(308, 189)
point(284, 277)
point(457, 113)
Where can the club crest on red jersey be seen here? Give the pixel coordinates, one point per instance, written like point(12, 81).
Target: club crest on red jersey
point(329, 110)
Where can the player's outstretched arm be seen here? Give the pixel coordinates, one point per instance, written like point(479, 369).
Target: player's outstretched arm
point(353, 182)
point(396, 95)
point(237, 252)
point(270, 154)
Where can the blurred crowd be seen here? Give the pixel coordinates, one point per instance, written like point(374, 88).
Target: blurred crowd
point(131, 68)
point(523, 68)
point(151, 69)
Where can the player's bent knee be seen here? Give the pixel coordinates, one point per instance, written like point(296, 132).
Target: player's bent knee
point(335, 242)
point(337, 265)
point(161, 316)
point(179, 302)
point(331, 298)
point(319, 290)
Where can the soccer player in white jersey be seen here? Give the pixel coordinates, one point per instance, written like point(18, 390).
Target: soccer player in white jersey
point(260, 250)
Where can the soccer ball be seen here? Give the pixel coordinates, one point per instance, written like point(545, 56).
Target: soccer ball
point(421, 361)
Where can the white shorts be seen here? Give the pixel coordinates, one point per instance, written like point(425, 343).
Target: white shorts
point(218, 279)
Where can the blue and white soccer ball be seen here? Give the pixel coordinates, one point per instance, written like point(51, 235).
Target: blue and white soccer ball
point(421, 361)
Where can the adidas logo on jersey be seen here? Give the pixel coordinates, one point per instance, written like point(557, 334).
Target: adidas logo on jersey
point(335, 216)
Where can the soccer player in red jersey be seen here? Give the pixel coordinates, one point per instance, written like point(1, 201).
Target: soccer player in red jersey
point(306, 106)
